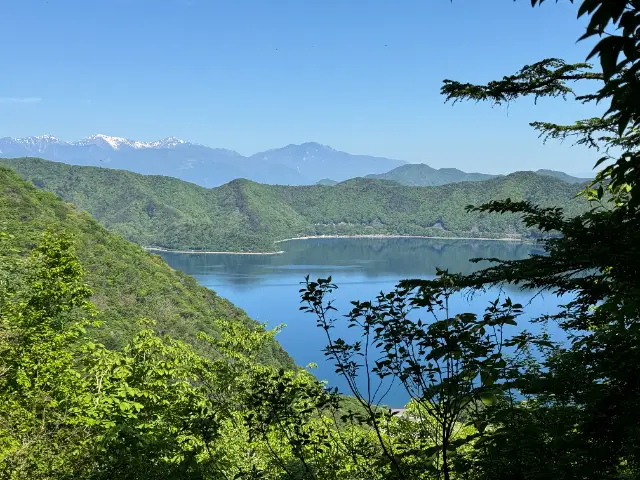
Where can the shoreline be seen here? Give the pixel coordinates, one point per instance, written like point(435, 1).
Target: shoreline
point(484, 239)
point(207, 252)
point(312, 237)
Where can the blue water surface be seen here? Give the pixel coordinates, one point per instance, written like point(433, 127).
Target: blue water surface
point(267, 286)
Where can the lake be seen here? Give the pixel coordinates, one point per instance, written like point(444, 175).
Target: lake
point(266, 286)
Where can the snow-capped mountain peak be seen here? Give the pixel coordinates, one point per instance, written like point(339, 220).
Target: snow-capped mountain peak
point(105, 140)
point(168, 142)
point(38, 140)
point(117, 143)
point(31, 145)
point(48, 138)
point(38, 143)
point(295, 164)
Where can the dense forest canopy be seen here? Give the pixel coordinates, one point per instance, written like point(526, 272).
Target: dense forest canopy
point(242, 215)
point(128, 283)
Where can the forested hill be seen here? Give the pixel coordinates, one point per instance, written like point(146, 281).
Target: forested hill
point(128, 283)
point(421, 175)
point(563, 176)
point(247, 216)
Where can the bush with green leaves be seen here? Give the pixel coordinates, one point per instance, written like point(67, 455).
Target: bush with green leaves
point(571, 410)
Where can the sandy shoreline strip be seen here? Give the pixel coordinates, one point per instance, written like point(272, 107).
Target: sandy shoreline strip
point(207, 252)
point(311, 237)
point(484, 239)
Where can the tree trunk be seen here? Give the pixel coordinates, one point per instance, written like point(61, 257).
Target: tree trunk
point(445, 460)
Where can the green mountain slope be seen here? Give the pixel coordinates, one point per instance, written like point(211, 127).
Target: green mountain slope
point(562, 176)
point(128, 283)
point(327, 182)
point(247, 216)
point(421, 175)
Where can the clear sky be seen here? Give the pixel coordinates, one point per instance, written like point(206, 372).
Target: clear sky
point(360, 75)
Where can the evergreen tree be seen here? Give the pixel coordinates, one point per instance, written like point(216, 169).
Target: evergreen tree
point(575, 414)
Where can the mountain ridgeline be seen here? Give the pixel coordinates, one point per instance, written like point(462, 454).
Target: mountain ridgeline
point(245, 216)
point(563, 176)
point(327, 182)
point(302, 164)
point(128, 283)
point(421, 175)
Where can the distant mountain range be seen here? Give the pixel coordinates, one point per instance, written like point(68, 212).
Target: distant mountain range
point(421, 175)
point(303, 164)
point(563, 176)
point(327, 182)
point(209, 167)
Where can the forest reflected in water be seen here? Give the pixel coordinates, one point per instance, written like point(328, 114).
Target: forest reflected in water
point(267, 286)
point(369, 257)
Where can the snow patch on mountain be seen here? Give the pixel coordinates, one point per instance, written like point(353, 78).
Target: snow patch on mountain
point(39, 143)
point(169, 142)
point(42, 139)
point(118, 143)
point(105, 140)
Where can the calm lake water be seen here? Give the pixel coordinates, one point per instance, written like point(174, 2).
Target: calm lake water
point(266, 286)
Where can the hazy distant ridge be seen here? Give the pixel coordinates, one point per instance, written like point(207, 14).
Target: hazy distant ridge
point(421, 175)
point(563, 176)
point(302, 164)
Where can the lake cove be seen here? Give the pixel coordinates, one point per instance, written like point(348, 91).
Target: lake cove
point(266, 286)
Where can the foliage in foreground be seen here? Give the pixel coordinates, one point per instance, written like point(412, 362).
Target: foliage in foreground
point(551, 410)
point(127, 282)
point(71, 408)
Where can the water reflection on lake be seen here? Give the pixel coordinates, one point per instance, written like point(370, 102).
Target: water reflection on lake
point(266, 286)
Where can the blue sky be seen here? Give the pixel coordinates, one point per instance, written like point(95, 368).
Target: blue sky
point(360, 75)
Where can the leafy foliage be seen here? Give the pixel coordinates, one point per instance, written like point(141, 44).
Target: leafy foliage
point(570, 412)
point(448, 365)
point(71, 408)
point(127, 282)
point(39, 324)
